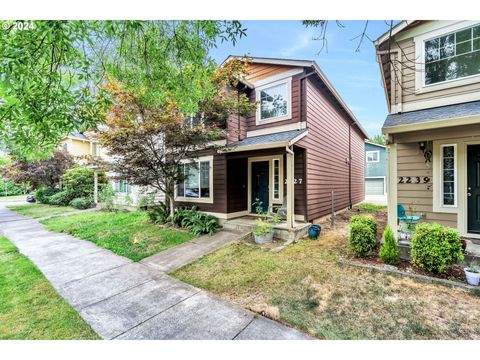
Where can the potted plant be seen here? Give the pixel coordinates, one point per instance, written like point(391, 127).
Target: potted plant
point(263, 232)
point(472, 273)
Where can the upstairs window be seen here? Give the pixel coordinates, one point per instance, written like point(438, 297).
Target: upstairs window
point(373, 156)
point(275, 102)
point(452, 56)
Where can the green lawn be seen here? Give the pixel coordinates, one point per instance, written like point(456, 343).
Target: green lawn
point(369, 207)
point(13, 198)
point(29, 307)
point(41, 210)
point(304, 286)
point(129, 234)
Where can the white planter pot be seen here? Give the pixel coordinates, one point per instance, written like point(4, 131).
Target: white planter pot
point(268, 238)
point(472, 278)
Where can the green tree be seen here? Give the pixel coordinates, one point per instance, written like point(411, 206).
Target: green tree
point(51, 76)
point(378, 139)
point(150, 142)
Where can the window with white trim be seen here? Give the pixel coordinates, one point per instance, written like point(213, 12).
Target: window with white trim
point(276, 179)
point(452, 56)
point(121, 186)
point(373, 156)
point(94, 149)
point(275, 101)
point(196, 183)
point(195, 120)
point(449, 175)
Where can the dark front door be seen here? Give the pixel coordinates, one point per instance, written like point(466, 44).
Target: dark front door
point(473, 190)
point(260, 194)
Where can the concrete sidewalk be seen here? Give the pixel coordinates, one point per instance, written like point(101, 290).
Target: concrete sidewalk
point(121, 299)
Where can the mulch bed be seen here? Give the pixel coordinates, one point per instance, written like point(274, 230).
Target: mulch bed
point(453, 272)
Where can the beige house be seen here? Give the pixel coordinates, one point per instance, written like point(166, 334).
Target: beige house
point(82, 147)
point(431, 76)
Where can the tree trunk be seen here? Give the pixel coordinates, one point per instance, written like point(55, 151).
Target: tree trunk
point(170, 204)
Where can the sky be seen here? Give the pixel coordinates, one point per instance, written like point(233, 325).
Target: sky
point(355, 75)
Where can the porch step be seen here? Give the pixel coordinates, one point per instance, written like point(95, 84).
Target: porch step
point(245, 224)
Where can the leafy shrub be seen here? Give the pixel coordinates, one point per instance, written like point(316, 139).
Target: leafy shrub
point(195, 221)
point(367, 220)
point(159, 214)
point(201, 223)
point(262, 228)
point(146, 201)
point(61, 198)
point(43, 194)
point(106, 198)
point(82, 203)
point(389, 251)
point(361, 237)
point(183, 213)
point(78, 182)
point(434, 247)
point(8, 188)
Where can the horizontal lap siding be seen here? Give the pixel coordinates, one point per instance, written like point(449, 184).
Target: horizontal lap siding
point(251, 123)
point(258, 72)
point(327, 146)
point(411, 162)
point(300, 186)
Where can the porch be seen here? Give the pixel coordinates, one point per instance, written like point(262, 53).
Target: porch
point(281, 230)
point(267, 174)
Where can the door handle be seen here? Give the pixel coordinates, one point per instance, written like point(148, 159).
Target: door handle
point(469, 194)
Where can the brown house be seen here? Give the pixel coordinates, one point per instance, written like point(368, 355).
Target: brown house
point(301, 146)
point(431, 75)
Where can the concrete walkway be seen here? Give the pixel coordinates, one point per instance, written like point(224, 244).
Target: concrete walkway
point(121, 299)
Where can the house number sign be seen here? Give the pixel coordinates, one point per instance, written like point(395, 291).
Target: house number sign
point(295, 181)
point(413, 179)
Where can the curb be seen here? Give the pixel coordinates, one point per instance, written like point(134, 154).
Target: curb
point(421, 278)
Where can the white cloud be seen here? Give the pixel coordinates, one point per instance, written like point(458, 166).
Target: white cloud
point(302, 41)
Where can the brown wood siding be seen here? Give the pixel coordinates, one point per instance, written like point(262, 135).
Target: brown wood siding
point(300, 187)
point(358, 165)
point(411, 162)
point(327, 145)
point(258, 72)
point(251, 123)
point(237, 124)
point(219, 187)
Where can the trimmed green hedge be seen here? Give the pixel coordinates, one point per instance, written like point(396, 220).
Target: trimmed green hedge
point(362, 234)
point(435, 247)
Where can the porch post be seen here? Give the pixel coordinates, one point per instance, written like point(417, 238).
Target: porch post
point(392, 187)
point(95, 187)
point(290, 190)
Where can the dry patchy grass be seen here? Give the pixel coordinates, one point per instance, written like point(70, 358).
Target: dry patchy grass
point(304, 286)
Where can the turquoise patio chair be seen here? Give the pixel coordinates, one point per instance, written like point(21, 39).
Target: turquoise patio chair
point(408, 220)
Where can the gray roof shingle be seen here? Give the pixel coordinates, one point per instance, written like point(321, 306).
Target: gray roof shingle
point(434, 114)
point(285, 136)
point(79, 136)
